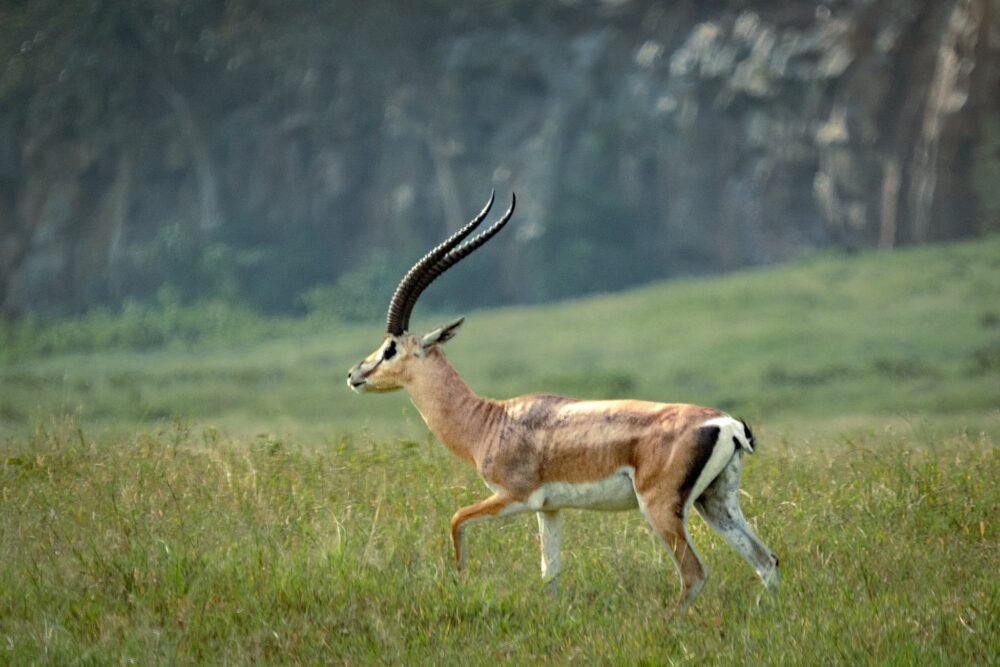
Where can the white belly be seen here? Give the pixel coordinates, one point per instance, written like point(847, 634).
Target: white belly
point(614, 493)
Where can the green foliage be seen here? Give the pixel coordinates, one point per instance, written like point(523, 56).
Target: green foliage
point(589, 246)
point(986, 174)
point(137, 326)
point(223, 271)
point(358, 296)
point(884, 336)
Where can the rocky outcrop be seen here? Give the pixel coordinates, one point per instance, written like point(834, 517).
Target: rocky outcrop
point(257, 155)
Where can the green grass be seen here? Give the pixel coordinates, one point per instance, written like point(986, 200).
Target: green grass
point(898, 337)
point(203, 502)
point(181, 545)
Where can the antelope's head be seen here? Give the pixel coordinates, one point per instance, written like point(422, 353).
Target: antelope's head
point(392, 365)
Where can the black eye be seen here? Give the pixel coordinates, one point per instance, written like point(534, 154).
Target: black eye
point(390, 350)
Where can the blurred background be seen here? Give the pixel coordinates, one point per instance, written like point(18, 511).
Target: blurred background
point(296, 157)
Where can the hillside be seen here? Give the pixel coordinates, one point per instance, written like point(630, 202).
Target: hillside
point(229, 496)
point(908, 337)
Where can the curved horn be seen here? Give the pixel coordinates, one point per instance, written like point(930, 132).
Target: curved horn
point(451, 259)
point(395, 322)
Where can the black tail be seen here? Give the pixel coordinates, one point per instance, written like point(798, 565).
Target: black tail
point(749, 436)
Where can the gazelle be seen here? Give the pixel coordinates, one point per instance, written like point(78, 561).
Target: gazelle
point(544, 453)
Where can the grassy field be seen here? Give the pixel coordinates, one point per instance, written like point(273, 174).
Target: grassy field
point(200, 500)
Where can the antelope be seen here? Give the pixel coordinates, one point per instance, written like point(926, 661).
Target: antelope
point(543, 453)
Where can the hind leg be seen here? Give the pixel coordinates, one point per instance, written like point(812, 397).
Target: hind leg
point(719, 506)
point(669, 520)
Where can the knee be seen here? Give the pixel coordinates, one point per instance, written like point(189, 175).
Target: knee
point(457, 531)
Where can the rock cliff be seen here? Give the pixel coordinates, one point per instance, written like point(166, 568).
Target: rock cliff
point(257, 153)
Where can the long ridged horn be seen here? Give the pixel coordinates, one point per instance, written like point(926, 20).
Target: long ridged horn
point(443, 263)
point(453, 258)
point(395, 322)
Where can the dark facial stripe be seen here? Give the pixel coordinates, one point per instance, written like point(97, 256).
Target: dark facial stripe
point(371, 370)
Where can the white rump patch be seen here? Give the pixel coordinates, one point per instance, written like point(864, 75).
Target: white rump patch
point(735, 428)
point(722, 453)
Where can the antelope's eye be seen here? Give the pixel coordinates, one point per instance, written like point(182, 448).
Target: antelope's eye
point(390, 350)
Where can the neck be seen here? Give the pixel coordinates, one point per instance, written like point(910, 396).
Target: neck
point(459, 418)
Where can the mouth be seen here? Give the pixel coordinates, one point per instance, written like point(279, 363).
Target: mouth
point(356, 380)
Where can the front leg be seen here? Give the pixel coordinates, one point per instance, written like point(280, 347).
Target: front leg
point(487, 509)
point(550, 536)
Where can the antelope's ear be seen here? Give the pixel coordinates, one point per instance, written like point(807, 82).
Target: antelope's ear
point(442, 335)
